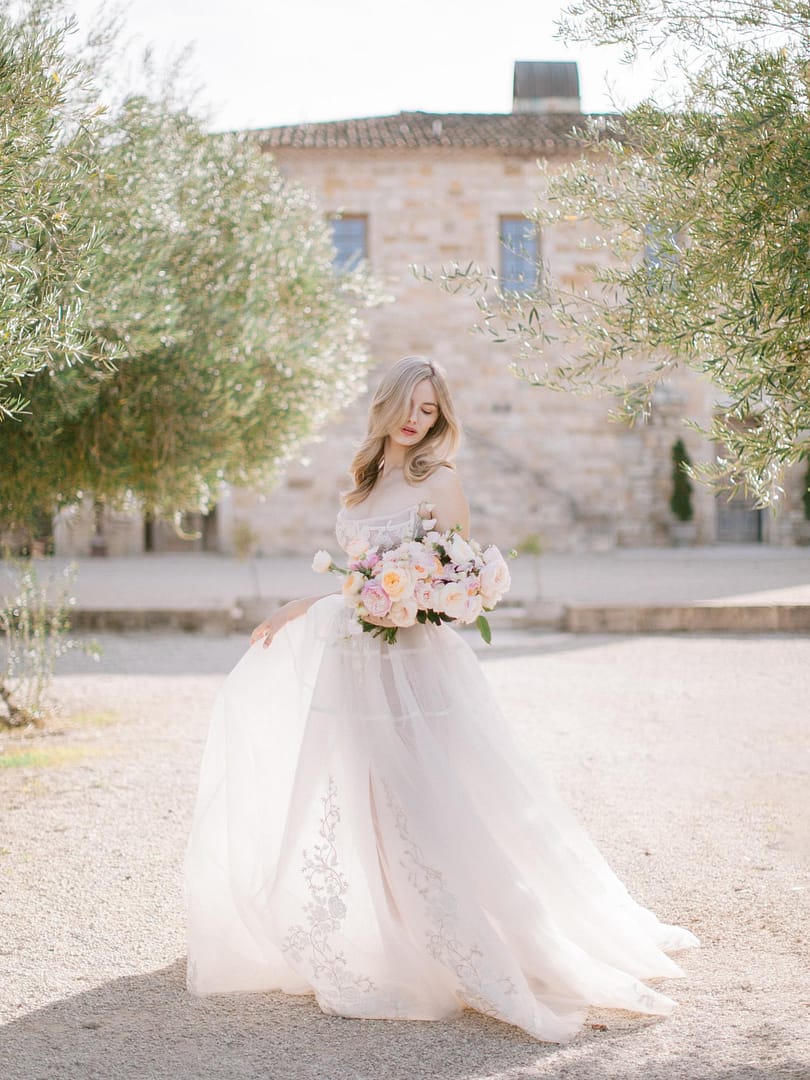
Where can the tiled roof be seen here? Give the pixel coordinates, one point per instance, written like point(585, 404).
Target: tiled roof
point(503, 131)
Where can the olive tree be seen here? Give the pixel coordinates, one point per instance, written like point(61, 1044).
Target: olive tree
point(233, 337)
point(46, 241)
point(704, 206)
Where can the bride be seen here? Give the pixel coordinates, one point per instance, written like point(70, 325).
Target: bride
point(365, 830)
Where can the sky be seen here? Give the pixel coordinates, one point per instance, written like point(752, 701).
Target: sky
point(262, 63)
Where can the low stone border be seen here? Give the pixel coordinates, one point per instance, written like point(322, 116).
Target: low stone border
point(547, 615)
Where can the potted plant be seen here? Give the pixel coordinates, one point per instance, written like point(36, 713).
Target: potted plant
point(803, 530)
point(682, 529)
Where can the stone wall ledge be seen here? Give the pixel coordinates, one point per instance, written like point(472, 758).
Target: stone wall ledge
point(537, 615)
point(695, 618)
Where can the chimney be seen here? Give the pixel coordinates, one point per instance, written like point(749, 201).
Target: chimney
point(546, 86)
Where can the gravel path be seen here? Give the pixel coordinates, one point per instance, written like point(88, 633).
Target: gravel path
point(686, 757)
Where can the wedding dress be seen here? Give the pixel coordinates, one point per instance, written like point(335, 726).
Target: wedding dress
point(366, 831)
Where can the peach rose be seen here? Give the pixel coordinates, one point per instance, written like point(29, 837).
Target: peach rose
point(396, 581)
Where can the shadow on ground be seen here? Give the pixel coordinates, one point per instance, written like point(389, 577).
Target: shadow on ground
point(149, 1026)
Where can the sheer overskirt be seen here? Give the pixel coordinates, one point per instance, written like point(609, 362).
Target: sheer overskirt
point(367, 831)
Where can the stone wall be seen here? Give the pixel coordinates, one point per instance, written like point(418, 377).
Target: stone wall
point(535, 464)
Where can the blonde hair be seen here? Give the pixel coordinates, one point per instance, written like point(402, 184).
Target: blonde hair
point(390, 409)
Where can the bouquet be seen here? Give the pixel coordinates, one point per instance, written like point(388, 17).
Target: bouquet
point(437, 577)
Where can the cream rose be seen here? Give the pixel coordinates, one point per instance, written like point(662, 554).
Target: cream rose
point(403, 612)
point(356, 548)
point(453, 599)
point(352, 584)
point(322, 562)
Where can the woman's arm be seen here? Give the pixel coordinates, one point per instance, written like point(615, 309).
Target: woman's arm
point(293, 610)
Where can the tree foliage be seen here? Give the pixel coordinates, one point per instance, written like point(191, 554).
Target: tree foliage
point(46, 243)
point(704, 207)
point(233, 337)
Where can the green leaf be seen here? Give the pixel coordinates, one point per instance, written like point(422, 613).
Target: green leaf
point(483, 628)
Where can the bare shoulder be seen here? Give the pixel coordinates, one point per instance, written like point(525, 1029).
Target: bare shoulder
point(444, 481)
point(444, 489)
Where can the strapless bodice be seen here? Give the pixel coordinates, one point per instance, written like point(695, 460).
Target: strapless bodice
point(381, 530)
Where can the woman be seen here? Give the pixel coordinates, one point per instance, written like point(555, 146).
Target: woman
point(365, 830)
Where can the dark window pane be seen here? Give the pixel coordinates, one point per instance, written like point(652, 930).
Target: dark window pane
point(518, 254)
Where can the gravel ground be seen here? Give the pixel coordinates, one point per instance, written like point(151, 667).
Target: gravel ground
point(686, 757)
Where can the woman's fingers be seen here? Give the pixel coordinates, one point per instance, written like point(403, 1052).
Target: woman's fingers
point(259, 632)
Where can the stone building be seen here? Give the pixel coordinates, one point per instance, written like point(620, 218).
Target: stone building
point(426, 189)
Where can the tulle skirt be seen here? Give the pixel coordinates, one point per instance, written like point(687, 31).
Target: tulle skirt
point(366, 831)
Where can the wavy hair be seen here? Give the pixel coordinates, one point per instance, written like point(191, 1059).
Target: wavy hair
point(389, 410)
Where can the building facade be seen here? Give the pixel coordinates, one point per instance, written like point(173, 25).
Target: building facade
point(540, 468)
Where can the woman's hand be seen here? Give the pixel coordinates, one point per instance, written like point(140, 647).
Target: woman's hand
point(378, 620)
point(293, 610)
point(270, 627)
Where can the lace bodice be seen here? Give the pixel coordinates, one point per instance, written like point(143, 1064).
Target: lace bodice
point(382, 530)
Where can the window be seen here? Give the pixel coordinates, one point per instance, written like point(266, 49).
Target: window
point(350, 237)
point(519, 254)
point(661, 257)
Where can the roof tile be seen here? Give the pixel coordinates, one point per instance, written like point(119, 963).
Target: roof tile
point(506, 131)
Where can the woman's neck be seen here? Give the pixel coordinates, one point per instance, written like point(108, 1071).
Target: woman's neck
point(393, 457)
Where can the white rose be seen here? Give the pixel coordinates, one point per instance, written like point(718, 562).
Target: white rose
point(452, 600)
point(473, 608)
point(356, 548)
point(322, 562)
point(459, 550)
point(403, 612)
point(494, 581)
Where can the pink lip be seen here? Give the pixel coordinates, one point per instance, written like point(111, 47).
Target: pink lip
point(409, 431)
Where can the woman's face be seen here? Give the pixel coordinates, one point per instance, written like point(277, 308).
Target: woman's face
point(422, 415)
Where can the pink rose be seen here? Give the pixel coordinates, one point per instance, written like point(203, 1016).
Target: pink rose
point(375, 599)
point(423, 594)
